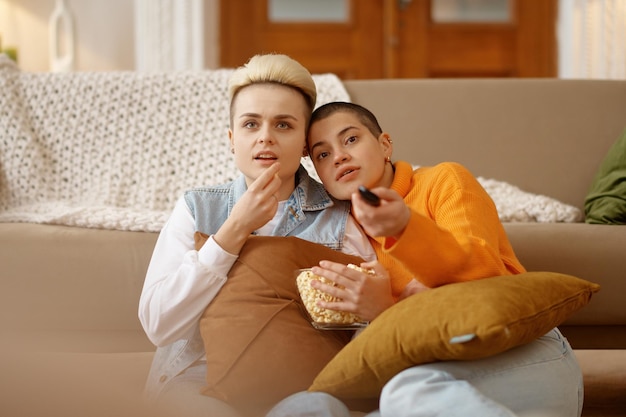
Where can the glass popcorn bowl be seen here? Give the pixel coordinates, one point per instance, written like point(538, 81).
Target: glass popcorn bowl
point(324, 318)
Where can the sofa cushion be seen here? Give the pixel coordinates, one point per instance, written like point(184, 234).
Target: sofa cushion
point(260, 346)
point(604, 373)
point(69, 384)
point(606, 200)
point(64, 279)
point(462, 321)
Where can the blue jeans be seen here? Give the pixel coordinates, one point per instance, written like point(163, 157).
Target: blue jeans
point(182, 397)
point(541, 378)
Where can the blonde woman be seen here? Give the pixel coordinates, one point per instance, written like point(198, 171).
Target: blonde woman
point(271, 100)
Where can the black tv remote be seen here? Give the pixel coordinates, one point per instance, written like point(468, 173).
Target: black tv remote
point(369, 197)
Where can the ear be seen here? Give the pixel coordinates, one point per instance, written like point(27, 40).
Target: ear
point(231, 140)
point(386, 143)
point(305, 151)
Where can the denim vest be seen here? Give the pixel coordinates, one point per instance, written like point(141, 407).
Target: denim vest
point(310, 214)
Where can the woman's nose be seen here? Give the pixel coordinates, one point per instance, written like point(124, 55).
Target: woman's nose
point(265, 136)
point(341, 157)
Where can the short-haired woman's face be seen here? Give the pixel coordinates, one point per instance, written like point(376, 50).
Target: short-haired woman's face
point(346, 154)
point(268, 126)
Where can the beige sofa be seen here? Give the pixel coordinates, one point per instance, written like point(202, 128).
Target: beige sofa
point(71, 341)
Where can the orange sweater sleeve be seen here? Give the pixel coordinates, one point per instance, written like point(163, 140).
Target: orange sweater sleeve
point(454, 233)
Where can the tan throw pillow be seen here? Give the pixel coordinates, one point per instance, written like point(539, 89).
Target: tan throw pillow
point(463, 321)
point(260, 346)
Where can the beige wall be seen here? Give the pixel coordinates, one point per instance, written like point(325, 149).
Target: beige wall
point(104, 32)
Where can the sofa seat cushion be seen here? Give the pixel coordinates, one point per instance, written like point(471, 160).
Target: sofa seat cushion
point(604, 375)
point(71, 278)
point(74, 384)
point(78, 341)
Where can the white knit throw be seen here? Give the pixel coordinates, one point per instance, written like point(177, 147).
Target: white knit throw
point(515, 205)
point(114, 150)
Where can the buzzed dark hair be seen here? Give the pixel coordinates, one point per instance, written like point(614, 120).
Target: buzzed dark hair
point(365, 116)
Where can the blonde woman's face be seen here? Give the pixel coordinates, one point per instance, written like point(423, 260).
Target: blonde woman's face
point(346, 154)
point(268, 126)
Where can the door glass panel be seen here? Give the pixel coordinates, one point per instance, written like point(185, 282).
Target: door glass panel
point(471, 11)
point(326, 11)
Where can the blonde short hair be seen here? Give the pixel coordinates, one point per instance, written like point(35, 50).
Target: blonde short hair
point(277, 69)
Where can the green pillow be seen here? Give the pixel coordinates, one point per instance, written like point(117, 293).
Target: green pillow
point(463, 321)
point(606, 201)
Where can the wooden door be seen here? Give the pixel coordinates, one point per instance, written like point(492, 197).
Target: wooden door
point(351, 48)
point(397, 39)
point(521, 43)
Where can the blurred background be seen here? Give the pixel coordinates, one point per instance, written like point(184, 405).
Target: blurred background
point(356, 39)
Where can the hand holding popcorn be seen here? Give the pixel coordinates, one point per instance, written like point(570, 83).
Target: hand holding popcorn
point(310, 297)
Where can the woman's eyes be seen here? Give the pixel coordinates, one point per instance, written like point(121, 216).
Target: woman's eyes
point(254, 125)
point(348, 141)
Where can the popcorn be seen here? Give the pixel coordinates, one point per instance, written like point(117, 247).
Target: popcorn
point(310, 296)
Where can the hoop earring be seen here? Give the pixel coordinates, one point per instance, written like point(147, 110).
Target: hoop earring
point(387, 159)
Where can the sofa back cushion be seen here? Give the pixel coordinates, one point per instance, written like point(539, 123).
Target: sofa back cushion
point(551, 135)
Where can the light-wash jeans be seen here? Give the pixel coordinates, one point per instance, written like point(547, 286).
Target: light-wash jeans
point(541, 378)
point(182, 397)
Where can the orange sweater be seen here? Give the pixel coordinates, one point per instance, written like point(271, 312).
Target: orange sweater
point(454, 233)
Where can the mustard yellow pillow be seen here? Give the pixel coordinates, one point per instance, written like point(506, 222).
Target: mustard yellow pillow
point(469, 320)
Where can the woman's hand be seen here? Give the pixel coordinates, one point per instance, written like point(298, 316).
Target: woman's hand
point(363, 294)
point(387, 220)
point(255, 208)
point(259, 203)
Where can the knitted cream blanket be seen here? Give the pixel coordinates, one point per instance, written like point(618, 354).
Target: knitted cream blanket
point(115, 150)
point(516, 205)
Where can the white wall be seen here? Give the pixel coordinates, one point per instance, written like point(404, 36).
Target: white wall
point(592, 39)
point(103, 32)
point(103, 29)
